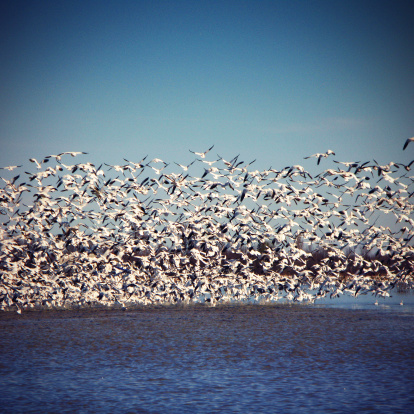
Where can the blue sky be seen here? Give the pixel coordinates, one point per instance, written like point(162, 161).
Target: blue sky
point(271, 80)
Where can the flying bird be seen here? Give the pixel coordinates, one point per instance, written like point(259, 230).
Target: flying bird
point(10, 168)
point(74, 153)
point(320, 156)
point(407, 142)
point(177, 224)
point(185, 167)
point(38, 165)
point(202, 154)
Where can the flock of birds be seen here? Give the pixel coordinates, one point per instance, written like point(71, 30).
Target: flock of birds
point(73, 234)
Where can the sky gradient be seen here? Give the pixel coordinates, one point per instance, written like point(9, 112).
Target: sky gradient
point(271, 80)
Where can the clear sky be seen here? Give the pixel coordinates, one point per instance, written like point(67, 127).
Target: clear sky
point(272, 80)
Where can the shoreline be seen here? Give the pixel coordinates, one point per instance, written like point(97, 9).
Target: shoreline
point(401, 301)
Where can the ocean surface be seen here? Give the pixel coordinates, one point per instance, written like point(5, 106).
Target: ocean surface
point(336, 356)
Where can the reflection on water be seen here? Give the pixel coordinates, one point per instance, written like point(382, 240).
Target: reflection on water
point(397, 301)
point(242, 358)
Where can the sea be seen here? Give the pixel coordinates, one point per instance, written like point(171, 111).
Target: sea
point(342, 355)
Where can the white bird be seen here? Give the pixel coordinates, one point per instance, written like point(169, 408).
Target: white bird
point(36, 162)
point(143, 249)
point(202, 154)
point(156, 160)
point(320, 156)
point(73, 153)
point(185, 167)
point(139, 164)
point(10, 168)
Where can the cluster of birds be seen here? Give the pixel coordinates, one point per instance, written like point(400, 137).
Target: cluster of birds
point(73, 234)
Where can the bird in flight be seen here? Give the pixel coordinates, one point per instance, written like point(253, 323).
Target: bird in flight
point(202, 154)
point(38, 165)
point(320, 156)
point(74, 153)
point(185, 167)
point(11, 168)
point(407, 142)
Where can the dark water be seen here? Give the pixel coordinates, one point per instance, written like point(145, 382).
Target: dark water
point(245, 358)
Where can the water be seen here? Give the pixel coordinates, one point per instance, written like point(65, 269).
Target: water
point(241, 358)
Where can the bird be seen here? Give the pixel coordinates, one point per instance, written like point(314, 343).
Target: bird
point(203, 154)
point(74, 153)
point(10, 168)
point(79, 235)
point(185, 167)
point(139, 164)
point(38, 165)
point(320, 156)
point(407, 142)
